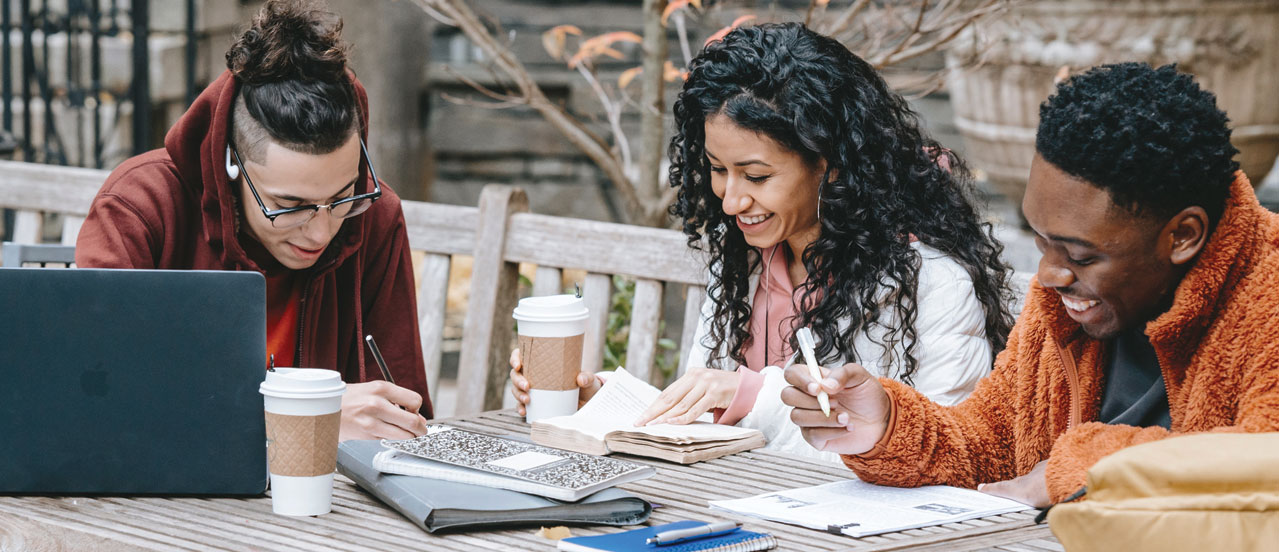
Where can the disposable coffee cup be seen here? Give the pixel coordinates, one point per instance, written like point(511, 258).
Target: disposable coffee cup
point(303, 415)
point(551, 329)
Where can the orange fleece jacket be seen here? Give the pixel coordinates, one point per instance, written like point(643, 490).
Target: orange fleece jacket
point(1218, 349)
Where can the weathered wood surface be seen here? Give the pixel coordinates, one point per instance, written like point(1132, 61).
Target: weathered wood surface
point(359, 522)
point(432, 302)
point(438, 228)
point(487, 333)
point(646, 319)
point(597, 292)
point(604, 247)
point(51, 188)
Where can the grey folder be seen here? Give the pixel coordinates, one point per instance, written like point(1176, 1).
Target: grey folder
point(437, 505)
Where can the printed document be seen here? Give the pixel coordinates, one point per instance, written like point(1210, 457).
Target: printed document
point(856, 508)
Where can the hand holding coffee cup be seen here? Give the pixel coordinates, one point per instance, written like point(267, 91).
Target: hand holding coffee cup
point(551, 330)
point(303, 414)
point(588, 383)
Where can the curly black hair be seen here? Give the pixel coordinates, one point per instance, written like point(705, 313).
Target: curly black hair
point(1150, 137)
point(885, 181)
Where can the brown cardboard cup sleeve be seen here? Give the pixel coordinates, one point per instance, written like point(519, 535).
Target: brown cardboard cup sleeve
point(551, 363)
point(302, 446)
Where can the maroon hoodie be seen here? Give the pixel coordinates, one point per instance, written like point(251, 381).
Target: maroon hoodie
point(173, 208)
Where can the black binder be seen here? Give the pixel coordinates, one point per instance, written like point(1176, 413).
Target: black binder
point(436, 505)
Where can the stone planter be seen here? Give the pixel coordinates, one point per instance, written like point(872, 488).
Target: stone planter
point(1002, 69)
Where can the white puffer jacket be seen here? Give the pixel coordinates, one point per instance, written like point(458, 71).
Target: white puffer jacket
point(951, 350)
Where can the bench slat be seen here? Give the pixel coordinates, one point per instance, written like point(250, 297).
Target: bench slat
point(26, 227)
point(49, 187)
point(641, 345)
point(432, 302)
point(437, 228)
point(597, 292)
point(71, 228)
point(696, 295)
point(487, 335)
point(603, 247)
point(547, 281)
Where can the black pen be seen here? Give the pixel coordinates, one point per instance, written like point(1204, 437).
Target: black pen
point(698, 532)
point(377, 356)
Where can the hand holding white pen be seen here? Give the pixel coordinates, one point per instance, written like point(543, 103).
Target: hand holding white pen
point(806, 346)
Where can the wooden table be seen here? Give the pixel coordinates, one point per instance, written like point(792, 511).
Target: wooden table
point(360, 522)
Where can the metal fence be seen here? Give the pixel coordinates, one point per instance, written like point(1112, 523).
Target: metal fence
point(75, 83)
point(58, 105)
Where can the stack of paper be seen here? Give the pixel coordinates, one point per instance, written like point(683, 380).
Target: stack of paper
point(858, 509)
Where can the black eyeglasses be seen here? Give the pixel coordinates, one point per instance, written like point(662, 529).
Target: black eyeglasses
point(293, 217)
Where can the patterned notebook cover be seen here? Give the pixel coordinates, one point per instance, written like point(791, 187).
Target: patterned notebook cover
point(526, 461)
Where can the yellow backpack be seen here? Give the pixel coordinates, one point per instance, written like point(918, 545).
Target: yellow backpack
point(1207, 491)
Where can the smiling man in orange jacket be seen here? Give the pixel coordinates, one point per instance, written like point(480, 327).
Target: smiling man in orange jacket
point(1152, 314)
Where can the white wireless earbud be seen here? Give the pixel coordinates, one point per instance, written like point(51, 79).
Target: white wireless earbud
point(232, 171)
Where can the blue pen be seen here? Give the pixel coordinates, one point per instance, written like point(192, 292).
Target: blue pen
point(699, 532)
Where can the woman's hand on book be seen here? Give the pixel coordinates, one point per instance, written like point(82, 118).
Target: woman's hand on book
point(588, 383)
point(695, 393)
point(380, 410)
point(859, 408)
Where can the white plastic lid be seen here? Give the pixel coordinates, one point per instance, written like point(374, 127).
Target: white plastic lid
point(551, 308)
point(302, 383)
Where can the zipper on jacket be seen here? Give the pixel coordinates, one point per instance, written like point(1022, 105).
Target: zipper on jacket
point(306, 289)
point(1072, 384)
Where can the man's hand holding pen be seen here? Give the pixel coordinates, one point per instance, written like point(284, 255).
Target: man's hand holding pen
point(380, 409)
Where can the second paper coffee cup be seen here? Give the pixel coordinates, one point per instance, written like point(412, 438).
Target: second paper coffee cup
point(303, 416)
point(551, 329)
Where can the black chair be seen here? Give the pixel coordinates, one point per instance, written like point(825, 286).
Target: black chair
point(17, 255)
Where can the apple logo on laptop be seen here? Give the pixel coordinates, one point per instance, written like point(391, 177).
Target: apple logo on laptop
point(94, 382)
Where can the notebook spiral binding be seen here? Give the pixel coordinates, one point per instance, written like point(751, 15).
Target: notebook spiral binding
point(761, 542)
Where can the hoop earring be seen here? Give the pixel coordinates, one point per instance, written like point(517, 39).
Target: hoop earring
point(232, 171)
point(820, 187)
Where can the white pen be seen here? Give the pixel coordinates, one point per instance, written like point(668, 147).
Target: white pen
point(708, 530)
point(806, 344)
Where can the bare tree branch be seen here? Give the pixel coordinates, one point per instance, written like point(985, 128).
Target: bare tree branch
point(652, 96)
point(614, 112)
point(842, 23)
point(482, 105)
point(504, 98)
point(457, 13)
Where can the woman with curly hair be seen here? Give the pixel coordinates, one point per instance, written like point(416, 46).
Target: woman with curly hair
point(821, 204)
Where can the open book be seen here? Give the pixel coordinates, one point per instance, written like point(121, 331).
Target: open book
point(605, 424)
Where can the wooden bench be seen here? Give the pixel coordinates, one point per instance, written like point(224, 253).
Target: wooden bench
point(499, 234)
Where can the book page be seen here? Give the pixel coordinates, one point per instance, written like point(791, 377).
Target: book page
point(858, 509)
point(615, 406)
point(622, 399)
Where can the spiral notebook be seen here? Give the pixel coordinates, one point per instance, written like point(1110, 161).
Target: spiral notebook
point(466, 457)
point(740, 540)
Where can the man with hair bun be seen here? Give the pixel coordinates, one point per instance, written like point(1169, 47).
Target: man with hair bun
point(1152, 313)
point(267, 171)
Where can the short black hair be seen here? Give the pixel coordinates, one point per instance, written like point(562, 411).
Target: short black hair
point(1150, 137)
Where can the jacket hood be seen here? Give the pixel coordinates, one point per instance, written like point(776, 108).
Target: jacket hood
point(197, 145)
